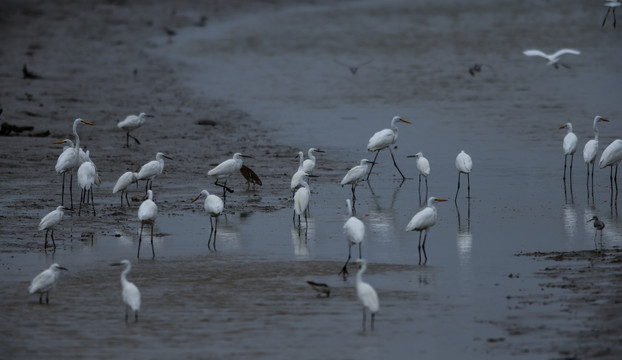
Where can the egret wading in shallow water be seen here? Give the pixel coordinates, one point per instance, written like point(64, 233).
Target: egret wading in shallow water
point(355, 233)
point(423, 220)
point(464, 164)
point(147, 213)
point(611, 5)
point(153, 168)
point(71, 158)
point(611, 156)
point(45, 281)
point(423, 167)
point(214, 206)
point(552, 58)
point(122, 184)
point(49, 221)
point(384, 139)
point(130, 293)
point(598, 226)
point(367, 294)
point(569, 145)
point(87, 177)
point(301, 201)
point(590, 150)
point(356, 175)
point(130, 123)
point(225, 169)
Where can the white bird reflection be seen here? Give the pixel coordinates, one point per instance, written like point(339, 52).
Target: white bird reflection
point(301, 236)
point(464, 238)
point(569, 213)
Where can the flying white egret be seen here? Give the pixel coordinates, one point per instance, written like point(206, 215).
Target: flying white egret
point(423, 220)
point(226, 169)
point(309, 164)
point(355, 233)
point(250, 176)
point(87, 177)
point(301, 201)
point(598, 226)
point(464, 164)
point(45, 281)
point(611, 5)
point(49, 221)
point(70, 159)
point(611, 156)
point(130, 293)
point(214, 206)
point(153, 168)
point(122, 184)
point(569, 145)
point(355, 175)
point(366, 293)
point(147, 213)
point(423, 167)
point(130, 123)
point(384, 139)
point(552, 58)
point(590, 149)
point(299, 175)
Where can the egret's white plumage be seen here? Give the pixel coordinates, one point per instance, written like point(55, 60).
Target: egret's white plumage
point(569, 145)
point(423, 167)
point(45, 281)
point(355, 175)
point(301, 200)
point(423, 220)
point(122, 184)
point(130, 293)
point(214, 206)
point(225, 169)
point(299, 175)
point(590, 150)
point(552, 58)
point(309, 164)
point(464, 164)
point(147, 213)
point(383, 139)
point(611, 155)
point(130, 123)
point(87, 177)
point(366, 294)
point(153, 168)
point(49, 221)
point(355, 233)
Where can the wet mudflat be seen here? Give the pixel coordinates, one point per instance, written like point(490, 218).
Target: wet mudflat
point(263, 80)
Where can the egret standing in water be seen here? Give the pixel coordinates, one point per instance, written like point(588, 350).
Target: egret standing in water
point(590, 150)
point(355, 175)
point(611, 156)
point(87, 177)
point(147, 213)
point(214, 206)
point(570, 146)
point(355, 233)
point(552, 58)
point(48, 223)
point(423, 167)
point(301, 201)
point(384, 139)
point(366, 294)
point(130, 123)
point(153, 168)
point(122, 184)
point(226, 169)
point(464, 164)
point(598, 226)
point(130, 293)
point(45, 281)
point(423, 220)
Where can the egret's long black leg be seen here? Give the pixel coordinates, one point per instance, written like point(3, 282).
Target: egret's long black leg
point(607, 14)
point(394, 163)
point(152, 249)
point(372, 164)
point(344, 269)
point(458, 189)
point(140, 239)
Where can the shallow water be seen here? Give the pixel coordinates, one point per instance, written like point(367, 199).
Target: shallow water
point(250, 297)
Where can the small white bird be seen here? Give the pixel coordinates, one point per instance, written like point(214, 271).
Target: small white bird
point(569, 145)
point(611, 5)
point(383, 139)
point(299, 175)
point(122, 184)
point(355, 175)
point(225, 169)
point(214, 206)
point(423, 220)
point(130, 123)
point(130, 293)
point(355, 233)
point(301, 201)
point(366, 293)
point(45, 281)
point(552, 58)
point(464, 164)
point(153, 168)
point(611, 156)
point(87, 177)
point(590, 150)
point(147, 213)
point(423, 167)
point(48, 222)
point(309, 164)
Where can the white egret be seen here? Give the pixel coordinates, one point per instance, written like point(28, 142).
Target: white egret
point(611, 156)
point(309, 164)
point(130, 293)
point(45, 281)
point(366, 294)
point(87, 177)
point(301, 201)
point(226, 169)
point(423, 167)
point(552, 58)
point(355, 233)
point(569, 145)
point(464, 164)
point(423, 220)
point(321, 288)
point(384, 139)
point(147, 213)
point(250, 176)
point(49, 221)
point(214, 206)
point(153, 168)
point(590, 149)
point(122, 184)
point(71, 159)
point(611, 5)
point(130, 123)
point(299, 175)
point(598, 226)
point(355, 175)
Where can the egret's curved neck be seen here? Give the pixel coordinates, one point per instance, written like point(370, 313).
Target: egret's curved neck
point(75, 134)
point(124, 274)
point(359, 274)
point(300, 155)
point(595, 126)
point(311, 156)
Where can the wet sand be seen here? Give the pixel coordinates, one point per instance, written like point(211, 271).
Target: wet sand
point(262, 79)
